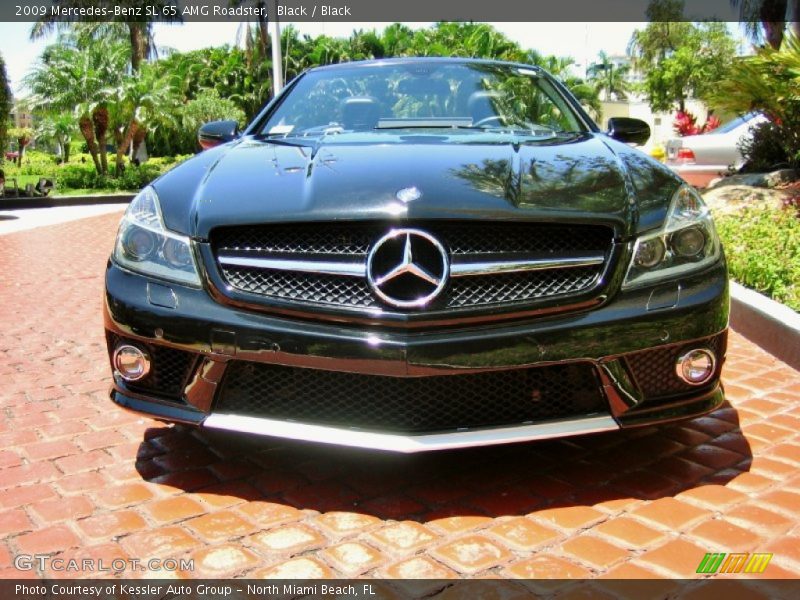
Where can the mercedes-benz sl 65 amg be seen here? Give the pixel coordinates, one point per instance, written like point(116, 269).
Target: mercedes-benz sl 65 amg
point(418, 254)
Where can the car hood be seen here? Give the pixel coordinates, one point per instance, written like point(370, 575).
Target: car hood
point(581, 178)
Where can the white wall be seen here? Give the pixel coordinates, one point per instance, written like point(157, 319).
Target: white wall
point(660, 123)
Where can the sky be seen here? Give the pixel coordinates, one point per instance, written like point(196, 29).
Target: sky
point(581, 41)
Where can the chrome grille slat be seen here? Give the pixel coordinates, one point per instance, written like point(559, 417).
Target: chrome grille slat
point(471, 267)
point(492, 264)
point(322, 267)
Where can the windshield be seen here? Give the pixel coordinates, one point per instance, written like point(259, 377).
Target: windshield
point(423, 96)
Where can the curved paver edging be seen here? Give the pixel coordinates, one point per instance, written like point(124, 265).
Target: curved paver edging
point(769, 324)
point(53, 201)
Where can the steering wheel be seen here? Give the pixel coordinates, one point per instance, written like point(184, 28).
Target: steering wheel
point(486, 120)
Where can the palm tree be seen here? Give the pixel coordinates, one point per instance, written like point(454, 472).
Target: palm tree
point(60, 128)
point(142, 101)
point(610, 79)
point(5, 107)
point(23, 136)
point(397, 39)
point(138, 30)
point(261, 20)
point(71, 77)
point(769, 15)
point(559, 67)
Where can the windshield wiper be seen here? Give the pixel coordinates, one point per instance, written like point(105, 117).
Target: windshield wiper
point(282, 141)
point(386, 127)
point(429, 123)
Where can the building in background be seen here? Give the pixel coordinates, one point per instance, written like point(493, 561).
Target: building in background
point(21, 117)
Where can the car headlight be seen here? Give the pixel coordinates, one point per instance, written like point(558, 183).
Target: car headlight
point(687, 242)
point(144, 244)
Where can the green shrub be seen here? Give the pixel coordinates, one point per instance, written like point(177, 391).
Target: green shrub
point(763, 250)
point(81, 174)
point(764, 151)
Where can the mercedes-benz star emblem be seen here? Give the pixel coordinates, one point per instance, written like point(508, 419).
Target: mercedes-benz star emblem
point(407, 268)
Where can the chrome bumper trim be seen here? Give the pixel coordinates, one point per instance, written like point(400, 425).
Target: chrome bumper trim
point(409, 443)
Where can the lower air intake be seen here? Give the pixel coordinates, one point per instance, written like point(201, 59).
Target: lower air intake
point(413, 404)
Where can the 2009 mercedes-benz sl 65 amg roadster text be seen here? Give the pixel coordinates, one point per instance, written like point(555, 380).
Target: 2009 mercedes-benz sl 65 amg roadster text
point(418, 254)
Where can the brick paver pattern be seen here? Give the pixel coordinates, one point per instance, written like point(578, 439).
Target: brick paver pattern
point(80, 477)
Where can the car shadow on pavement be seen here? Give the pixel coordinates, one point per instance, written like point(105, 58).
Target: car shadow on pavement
point(517, 479)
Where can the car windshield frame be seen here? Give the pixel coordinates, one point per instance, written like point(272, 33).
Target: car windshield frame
point(734, 123)
point(456, 108)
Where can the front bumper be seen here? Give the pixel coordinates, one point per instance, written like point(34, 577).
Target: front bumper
point(629, 343)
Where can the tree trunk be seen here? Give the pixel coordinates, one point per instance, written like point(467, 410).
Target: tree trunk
point(123, 139)
point(138, 45)
point(66, 146)
point(263, 31)
point(20, 153)
point(138, 138)
point(85, 125)
point(773, 32)
point(100, 120)
point(118, 139)
point(773, 19)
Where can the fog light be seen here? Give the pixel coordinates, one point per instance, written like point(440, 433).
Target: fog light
point(695, 367)
point(131, 363)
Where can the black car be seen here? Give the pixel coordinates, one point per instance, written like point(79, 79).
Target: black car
point(418, 254)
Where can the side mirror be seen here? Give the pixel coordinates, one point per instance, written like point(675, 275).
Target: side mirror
point(629, 131)
point(216, 133)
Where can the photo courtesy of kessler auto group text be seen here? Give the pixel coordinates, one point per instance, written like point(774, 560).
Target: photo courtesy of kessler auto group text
point(420, 300)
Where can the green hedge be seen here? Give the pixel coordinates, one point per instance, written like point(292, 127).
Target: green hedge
point(763, 250)
point(80, 173)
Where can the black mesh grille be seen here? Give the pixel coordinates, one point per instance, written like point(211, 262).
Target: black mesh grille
point(487, 290)
point(169, 368)
point(303, 287)
point(421, 404)
point(531, 238)
point(353, 240)
point(654, 370)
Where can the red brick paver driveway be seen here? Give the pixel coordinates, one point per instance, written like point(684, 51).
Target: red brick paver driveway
point(82, 478)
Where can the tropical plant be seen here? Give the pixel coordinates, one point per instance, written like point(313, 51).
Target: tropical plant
point(23, 136)
point(5, 108)
point(609, 79)
point(679, 59)
point(261, 23)
point(685, 123)
point(560, 68)
point(769, 82)
point(138, 29)
point(59, 128)
point(71, 76)
point(140, 102)
point(765, 20)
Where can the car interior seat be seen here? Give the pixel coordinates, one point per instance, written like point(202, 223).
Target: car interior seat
point(360, 113)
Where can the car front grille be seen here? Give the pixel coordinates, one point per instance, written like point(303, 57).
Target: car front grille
point(465, 241)
point(410, 404)
point(654, 370)
point(170, 369)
